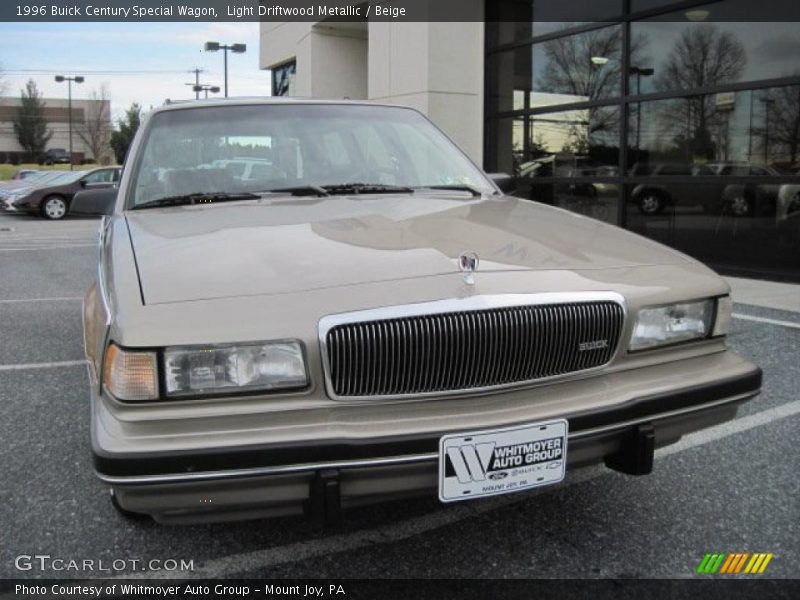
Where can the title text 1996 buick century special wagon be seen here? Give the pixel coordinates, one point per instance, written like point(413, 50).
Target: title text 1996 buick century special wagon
point(366, 316)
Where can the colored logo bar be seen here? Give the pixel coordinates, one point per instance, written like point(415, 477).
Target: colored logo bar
point(731, 563)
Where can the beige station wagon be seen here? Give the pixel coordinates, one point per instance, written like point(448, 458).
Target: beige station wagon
point(372, 318)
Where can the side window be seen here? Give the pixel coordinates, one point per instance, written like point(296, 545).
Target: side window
point(235, 168)
point(261, 171)
point(676, 169)
point(102, 176)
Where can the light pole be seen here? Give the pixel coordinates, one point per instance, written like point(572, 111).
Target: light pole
point(196, 72)
point(235, 48)
point(602, 61)
point(639, 72)
point(69, 80)
point(214, 89)
point(767, 101)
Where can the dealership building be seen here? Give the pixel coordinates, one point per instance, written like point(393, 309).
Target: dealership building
point(56, 112)
point(678, 120)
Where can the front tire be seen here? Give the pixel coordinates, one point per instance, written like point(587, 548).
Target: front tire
point(651, 203)
point(54, 208)
point(741, 206)
point(794, 204)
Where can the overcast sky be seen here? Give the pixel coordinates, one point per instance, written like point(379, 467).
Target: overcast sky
point(139, 62)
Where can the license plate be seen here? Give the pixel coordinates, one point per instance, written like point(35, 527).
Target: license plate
point(476, 464)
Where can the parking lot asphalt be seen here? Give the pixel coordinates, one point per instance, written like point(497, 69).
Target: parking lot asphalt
point(733, 488)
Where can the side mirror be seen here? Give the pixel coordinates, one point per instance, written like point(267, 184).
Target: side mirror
point(94, 203)
point(504, 181)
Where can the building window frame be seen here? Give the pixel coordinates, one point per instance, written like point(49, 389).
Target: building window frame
point(281, 77)
point(624, 101)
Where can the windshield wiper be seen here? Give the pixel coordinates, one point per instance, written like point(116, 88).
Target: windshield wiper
point(300, 190)
point(196, 198)
point(336, 189)
point(457, 187)
point(366, 188)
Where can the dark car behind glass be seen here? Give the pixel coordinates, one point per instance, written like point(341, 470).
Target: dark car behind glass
point(52, 198)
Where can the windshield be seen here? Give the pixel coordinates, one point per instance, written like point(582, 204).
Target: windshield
point(44, 176)
point(65, 177)
point(257, 148)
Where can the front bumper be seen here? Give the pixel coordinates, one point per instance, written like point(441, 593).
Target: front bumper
point(253, 481)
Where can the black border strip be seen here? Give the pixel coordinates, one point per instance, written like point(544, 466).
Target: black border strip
point(216, 459)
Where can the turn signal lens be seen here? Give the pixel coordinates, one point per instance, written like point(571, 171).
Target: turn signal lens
point(130, 375)
point(722, 325)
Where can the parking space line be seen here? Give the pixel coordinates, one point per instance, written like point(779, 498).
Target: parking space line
point(789, 324)
point(52, 299)
point(44, 365)
point(395, 532)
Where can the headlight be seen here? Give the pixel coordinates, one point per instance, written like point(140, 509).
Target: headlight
point(235, 368)
point(129, 375)
point(673, 323)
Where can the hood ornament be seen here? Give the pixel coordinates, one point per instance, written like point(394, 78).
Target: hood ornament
point(468, 263)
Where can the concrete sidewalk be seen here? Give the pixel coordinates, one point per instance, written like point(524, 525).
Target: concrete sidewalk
point(769, 294)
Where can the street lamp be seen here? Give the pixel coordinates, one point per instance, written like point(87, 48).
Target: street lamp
point(235, 48)
point(639, 72)
point(69, 80)
point(602, 61)
point(767, 101)
point(214, 89)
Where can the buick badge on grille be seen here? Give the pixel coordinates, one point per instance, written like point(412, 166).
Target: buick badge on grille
point(595, 345)
point(468, 263)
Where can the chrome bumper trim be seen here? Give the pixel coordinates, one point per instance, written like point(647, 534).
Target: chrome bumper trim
point(391, 460)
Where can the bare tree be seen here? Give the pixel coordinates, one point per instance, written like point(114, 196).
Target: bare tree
point(780, 131)
point(96, 128)
point(702, 56)
point(569, 68)
point(587, 66)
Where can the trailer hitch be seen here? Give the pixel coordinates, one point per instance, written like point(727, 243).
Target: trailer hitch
point(324, 505)
point(636, 455)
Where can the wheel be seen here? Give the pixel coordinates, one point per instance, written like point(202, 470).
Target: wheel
point(54, 207)
point(794, 203)
point(128, 514)
point(741, 205)
point(651, 202)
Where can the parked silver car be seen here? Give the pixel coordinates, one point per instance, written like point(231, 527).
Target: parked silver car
point(374, 320)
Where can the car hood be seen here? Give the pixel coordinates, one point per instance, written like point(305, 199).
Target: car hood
point(286, 245)
point(16, 186)
point(27, 187)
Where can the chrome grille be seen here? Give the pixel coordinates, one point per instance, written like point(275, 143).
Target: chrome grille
point(465, 350)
